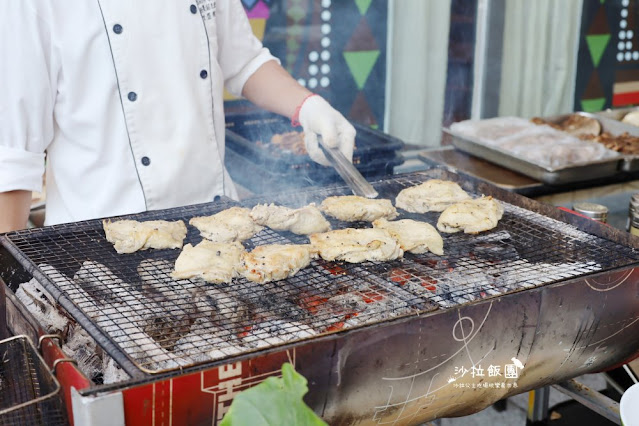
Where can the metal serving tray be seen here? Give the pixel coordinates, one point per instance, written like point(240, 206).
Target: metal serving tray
point(616, 114)
point(249, 134)
point(613, 119)
point(578, 172)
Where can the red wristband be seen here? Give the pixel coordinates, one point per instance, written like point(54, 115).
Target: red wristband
point(296, 115)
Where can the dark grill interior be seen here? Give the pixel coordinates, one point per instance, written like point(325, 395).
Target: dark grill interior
point(158, 325)
point(28, 393)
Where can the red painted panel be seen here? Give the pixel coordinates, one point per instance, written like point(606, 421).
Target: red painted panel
point(67, 373)
point(621, 99)
point(198, 398)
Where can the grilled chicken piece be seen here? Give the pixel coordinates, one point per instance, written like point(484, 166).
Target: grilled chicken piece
point(275, 262)
point(352, 208)
point(303, 221)
point(413, 236)
point(229, 225)
point(631, 118)
point(356, 245)
point(580, 125)
point(434, 195)
point(129, 236)
point(471, 216)
point(213, 262)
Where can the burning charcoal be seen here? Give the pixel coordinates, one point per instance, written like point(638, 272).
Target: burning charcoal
point(268, 299)
point(158, 286)
point(139, 345)
point(102, 284)
point(73, 290)
point(43, 307)
point(112, 371)
point(132, 307)
point(204, 340)
point(166, 330)
point(275, 331)
point(495, 247)
point(81, 347)
point(379, 311)
point(218, 306)
point(348, 303)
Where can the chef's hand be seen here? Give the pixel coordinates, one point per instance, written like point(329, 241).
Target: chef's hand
point(318, 118)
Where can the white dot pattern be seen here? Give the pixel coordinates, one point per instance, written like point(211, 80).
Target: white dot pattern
point(323, 57)
point(625, 44)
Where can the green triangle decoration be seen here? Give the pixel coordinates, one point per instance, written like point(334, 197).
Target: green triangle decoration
point(363, 5)
point(360, 64)
point(597, 44)
point(592, 105)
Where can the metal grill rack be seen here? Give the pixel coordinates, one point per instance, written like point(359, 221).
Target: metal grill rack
point(29, 393)
point(149, 324)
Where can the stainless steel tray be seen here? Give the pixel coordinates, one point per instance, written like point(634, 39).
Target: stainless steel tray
point(616, 114)
point(614, 117)
point(578, 172)
point(611, 123)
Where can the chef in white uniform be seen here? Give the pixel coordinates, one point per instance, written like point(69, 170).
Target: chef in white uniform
point(125, 99)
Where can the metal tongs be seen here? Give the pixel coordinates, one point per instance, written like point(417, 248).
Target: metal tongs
point(348, 172)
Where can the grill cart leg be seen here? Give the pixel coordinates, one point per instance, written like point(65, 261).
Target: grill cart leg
point(594, 400)
point(4, 331)
point(538, 407)
point(501, 405)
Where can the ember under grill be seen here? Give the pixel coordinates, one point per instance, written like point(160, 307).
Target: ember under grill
point(150, 324)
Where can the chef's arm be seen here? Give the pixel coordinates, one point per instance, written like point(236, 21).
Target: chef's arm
point(14, 210)
point(271, 87)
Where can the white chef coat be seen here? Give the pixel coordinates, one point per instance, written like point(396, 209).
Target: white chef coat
point(125, 98)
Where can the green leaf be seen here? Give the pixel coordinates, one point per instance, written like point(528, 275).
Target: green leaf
point(274, 402)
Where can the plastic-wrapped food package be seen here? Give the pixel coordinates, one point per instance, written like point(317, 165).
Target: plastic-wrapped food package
point(493, 129)
point(553, 149)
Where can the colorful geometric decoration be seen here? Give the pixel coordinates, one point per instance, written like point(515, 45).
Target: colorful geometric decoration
point(259, 10)
point(625, 90)
point(363, 5)
point(249, 4)
point(608, 59)
point(593, 105)
point(361, 111)
point(361, 64)
point(596, 45)
point(336, 48)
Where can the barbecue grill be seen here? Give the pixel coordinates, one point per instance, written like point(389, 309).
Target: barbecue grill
point(543, 297)
point(248, 138)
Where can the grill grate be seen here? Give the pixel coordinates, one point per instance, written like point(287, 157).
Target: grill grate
point(143, 317)
point(29, 395)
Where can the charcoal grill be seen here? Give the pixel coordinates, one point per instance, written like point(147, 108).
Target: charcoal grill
point(29, 393)
point(248, 139)
point(379, 342)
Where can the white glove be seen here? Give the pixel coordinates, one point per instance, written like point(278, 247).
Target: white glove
point(319, 118)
